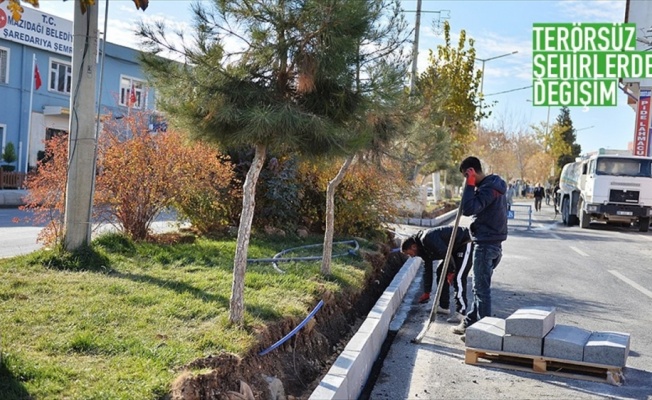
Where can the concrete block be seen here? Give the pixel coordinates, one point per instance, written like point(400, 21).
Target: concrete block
point(358, 372)
point(331, 387)
point(523, 345)
point(486, 334)
point(531, 322)
point(609, 348)
point(566, 342)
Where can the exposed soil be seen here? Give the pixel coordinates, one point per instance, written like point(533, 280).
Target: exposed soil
point(301, 361)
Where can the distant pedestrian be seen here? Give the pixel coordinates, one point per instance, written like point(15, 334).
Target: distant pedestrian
point(538, 193)
point(555, 197)
point(548, 194)
point(432, 244)
point(510, 196)
point(484, 199)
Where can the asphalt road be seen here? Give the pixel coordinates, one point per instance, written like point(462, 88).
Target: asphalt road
point(17, 237)
point(598, 279)
point(18, 234)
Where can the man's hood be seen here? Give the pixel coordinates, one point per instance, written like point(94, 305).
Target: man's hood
point(495, 182)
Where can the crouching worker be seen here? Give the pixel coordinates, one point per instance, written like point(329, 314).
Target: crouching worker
point(431, 245)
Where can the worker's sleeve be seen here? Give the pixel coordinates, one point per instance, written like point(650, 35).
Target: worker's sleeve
point(474, 201)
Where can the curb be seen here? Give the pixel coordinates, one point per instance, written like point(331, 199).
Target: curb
point(428, 222)
point(12, 198)
point(349, 373)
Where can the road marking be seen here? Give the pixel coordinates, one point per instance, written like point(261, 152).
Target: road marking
point(578, 251)
point(555, 236)
point(631, 283)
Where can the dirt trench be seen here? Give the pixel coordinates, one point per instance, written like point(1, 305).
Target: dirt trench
point(302, 361)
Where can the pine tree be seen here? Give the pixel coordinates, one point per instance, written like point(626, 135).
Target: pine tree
point(269, 75)
point(567, 135)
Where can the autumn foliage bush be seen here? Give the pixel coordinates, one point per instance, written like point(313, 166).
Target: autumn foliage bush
point(47, 188)
point(366, 198)
point(139, 174)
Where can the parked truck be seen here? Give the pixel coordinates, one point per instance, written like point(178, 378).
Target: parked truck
point(613, 188)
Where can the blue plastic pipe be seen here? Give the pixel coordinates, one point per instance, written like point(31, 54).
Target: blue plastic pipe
point(294, 331)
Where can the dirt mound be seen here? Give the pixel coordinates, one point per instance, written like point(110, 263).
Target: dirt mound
point(301, 361)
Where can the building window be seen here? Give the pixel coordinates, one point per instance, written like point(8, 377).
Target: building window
point(132, 92)
point(60, 76)
point(4, 65)
point(3, 128)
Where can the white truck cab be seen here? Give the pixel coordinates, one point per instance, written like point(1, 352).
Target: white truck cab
point(613, 188)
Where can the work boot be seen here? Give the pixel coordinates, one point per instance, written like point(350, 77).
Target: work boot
point(459, 329)
point(456, 318)
point(442, 310)
point(424, 298)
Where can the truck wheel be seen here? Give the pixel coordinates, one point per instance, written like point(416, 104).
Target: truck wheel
point(643, 224)
point(585, 219)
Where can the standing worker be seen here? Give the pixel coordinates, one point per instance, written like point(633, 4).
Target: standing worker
point(432, 244)
point(484, 199)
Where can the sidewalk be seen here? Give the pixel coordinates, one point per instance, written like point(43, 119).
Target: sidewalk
point(12, 197)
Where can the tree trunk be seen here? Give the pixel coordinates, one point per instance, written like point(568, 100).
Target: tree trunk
point(236, 304)
point(330, 215)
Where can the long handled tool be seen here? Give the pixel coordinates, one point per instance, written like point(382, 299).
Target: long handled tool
point(442, 277)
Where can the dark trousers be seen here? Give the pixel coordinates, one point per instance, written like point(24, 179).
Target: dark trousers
point(537, 203)
point(463, 262)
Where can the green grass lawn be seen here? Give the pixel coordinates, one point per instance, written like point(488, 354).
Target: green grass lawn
point(122, 327)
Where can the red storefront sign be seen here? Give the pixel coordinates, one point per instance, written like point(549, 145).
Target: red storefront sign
point(641, 134)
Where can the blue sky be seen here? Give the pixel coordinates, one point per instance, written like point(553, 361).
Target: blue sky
point(498, 27)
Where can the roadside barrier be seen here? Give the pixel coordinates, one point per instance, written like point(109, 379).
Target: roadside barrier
point(517, 217)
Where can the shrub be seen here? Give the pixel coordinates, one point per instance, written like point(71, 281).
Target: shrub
point(365, 199)
point(9, 156)
point(277, 197)
point(207, 193)
point(139, 174)
point(47, 188)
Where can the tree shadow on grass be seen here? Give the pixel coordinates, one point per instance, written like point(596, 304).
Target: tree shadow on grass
point(90, 259)
point(10, 386)
point(182, 287)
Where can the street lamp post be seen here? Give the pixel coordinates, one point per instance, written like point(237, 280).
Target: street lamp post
point(484, 60)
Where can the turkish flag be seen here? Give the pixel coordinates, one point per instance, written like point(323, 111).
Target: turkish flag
point(3, 19)
point(37, 78)
point(132, 96)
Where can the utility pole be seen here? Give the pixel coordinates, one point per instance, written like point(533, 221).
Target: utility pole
point(415, 47)
point(81, 145)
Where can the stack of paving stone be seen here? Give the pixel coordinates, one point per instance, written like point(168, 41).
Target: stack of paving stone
point(532, 331)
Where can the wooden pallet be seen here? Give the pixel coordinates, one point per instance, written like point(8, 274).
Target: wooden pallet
point(545, 365)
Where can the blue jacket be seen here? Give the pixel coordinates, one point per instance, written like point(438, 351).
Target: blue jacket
point(487, 203)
